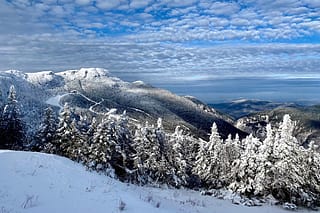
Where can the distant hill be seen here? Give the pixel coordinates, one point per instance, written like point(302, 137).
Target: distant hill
point(307, 121)
point(243, 107)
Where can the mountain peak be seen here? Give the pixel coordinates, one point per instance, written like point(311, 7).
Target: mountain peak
point(16, 73)
point(84, 73)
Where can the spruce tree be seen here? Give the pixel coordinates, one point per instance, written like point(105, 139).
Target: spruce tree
point(124, 149)
point(68, 141)
point(208, 160)
point(110, 148)
point(312, 171)
point(12, 133)
point(47, 130)
point(88, 135)
point(288, 167)
point(245, 168)
point(179, 157)
point(265, 168)
point(150, 159)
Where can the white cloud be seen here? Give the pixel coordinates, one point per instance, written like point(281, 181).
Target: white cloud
point(312, 3)
point(107, 5)
point(157, 45)
point(223, 8)
point(58, 11)
point(83, 2)
point(178, 3)
point(135, 4)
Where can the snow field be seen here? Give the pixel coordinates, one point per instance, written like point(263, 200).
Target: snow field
point(37, 183)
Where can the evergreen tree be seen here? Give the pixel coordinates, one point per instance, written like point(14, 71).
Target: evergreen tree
point(124, 149)
point(100, 153)
point(149, 156)
point(68, 141)
point(265, 168)
point(312, 174)
point(208, 160)
point(150, 159)
point(141, 146)
point(47, 130)
point(111, 146)
point(245, 169)
point(179, 157)
point(12, 134)
point(87, 132)
point(228, 153)
point(288, 169)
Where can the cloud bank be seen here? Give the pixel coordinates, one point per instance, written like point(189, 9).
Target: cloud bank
point(181, 41)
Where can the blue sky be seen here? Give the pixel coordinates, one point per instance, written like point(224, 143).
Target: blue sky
point(181, 41)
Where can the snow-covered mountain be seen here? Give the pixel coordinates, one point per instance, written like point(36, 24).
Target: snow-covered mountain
point(306, 117)
point(94, 90)
point(37, 182)
point(243, 107)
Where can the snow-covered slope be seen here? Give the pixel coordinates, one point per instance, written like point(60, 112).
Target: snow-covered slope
point(36, 182)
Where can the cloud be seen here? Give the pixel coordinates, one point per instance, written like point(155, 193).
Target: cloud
point(312, 3)
point(83, 2)
point(179, 3)
point(107, 5)
point(165, 21)
point(135, 4)
point(169, 38)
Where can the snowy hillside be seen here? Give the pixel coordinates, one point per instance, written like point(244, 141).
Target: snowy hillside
point(35, 182)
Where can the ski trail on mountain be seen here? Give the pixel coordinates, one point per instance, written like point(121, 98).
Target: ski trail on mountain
point(56, 101)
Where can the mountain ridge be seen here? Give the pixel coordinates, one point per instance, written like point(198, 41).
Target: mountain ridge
point(105, 92)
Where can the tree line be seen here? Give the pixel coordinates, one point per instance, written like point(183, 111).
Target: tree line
point(148, 154)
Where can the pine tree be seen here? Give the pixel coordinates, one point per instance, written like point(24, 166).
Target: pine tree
point(47, 130)
point(122, 160)
point(100, 153)
point(150, 159)
point(179, 157)
point(111, 148)
point(312, 175)
point(68, 141)
point(141, 145)
point(245, 169)
point(289, 171)
point(265, 168)
point(87, 132)
point(208, 162)
point(12, 134)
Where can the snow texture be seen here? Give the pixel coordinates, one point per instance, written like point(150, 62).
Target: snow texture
point(40, 77)
point(55, 101)
point(36, 182)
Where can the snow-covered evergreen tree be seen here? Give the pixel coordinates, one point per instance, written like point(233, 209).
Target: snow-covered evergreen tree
point(179, 157)
point(230, 151)
point(68, 140)
point(150, 160)
point(289, 170)
point(123, 154)
point(245, 168)
point(312, 175)
point(208, 160)
point(87, 131)
point(12, 133)
point(47, 130)
point(111, 146)
point(141, 146)
point(100, 152)
point(265, 160)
